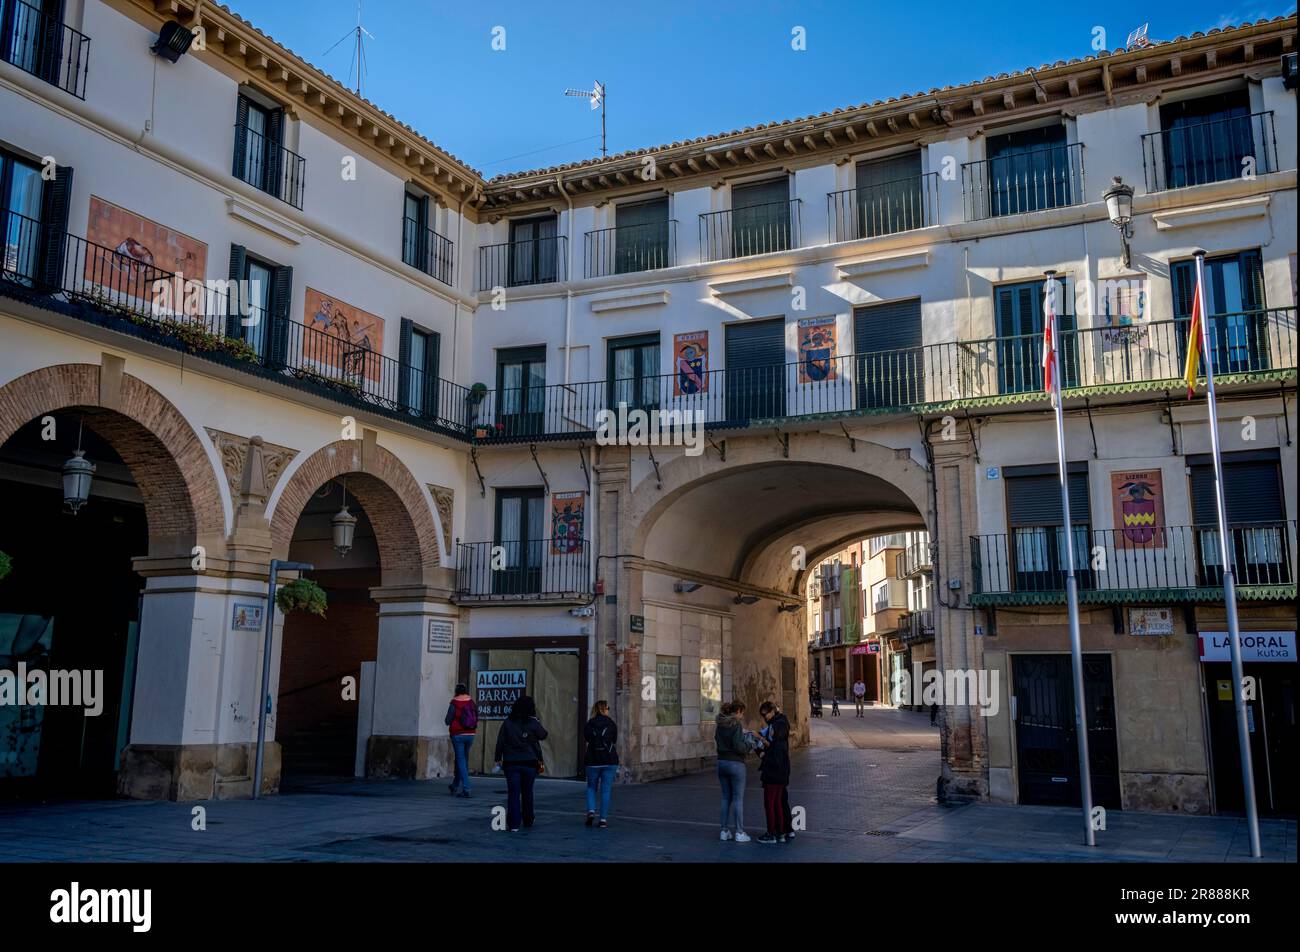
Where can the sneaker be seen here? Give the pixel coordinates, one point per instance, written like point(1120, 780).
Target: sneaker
point(590, 818)
point(451, 789)
point(767, 838)
point(464, 794)
point(603, 824)
point(514, 829)
point(781, 838)
point(742, 836)
point(789, 836)
point(725, 835)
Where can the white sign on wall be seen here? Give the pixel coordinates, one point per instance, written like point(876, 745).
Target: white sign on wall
point(1151, 621)
point(1255, 646)
point(442, 636)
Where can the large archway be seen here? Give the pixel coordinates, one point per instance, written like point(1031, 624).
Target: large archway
point(71, 607)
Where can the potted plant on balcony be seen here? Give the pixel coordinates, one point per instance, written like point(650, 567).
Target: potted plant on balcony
point(301, 594)
point(6, 564)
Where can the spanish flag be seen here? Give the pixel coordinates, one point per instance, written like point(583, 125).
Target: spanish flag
point(1193, 366)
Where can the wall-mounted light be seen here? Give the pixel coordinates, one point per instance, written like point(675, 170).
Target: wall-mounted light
point(173, 41)
point(344, 525)
point(78, 472)
point(683, 587)
point(1119, 206)
point(745, 599)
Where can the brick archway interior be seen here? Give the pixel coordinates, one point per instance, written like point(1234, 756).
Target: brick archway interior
point(182, 498)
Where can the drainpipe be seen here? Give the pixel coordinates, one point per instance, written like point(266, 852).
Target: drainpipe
point(568, 277)
point(460, 261)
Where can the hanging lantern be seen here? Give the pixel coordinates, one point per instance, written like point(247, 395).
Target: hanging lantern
point(345, 527)
point(77, 475)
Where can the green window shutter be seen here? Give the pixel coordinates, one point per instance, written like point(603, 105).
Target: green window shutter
point(55, 204)
point(241, 138)
point(281, 300)
point(404, 363)
point(234, 311)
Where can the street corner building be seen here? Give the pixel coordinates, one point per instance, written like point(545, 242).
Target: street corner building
point(218, 352)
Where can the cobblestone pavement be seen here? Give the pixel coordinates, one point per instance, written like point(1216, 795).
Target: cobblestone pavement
point(867, 786)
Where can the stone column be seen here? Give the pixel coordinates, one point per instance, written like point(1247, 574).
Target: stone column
point(415, 674)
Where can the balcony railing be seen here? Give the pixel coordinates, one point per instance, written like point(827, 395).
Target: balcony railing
point(630, 248)
point(918, 627)
point(44, 46)
point(750, 230)
point(914, 560)
point(217, 320)
point(1050, 177)
point(1163, 563)
point(536, 569)
point(427, 251)
point(267, 165)
point(523, 263)
point(1211, 151)
point(884, 209)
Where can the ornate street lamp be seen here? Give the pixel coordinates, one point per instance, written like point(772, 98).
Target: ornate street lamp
point(1119, 206)
point(344, 525)
point(77, 475)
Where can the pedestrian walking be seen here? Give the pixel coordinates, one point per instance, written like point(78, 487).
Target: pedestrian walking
point(519, 752)
point(462, 722)
point(601, 734)
point(774, 772)
point(733, 748)
point(835, 705)
point(859, 696)
point(816, 701)
point(934, 713)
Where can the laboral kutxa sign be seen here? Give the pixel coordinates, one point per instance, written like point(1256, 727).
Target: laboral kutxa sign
point(1255, 646)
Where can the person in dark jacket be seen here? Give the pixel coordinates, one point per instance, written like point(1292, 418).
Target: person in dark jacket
point(462, 721)
point(733, 748)
point(774, 772)
point(602, 761)
point(519, 752)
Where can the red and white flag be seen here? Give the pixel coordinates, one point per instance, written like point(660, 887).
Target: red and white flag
point(1049, 340)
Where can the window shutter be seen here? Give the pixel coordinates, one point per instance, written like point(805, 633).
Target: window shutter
point(234, 311)
point(1006, 312)
point(432, 358)
point(1252, 492)
point(281, 300)
point(56, 200)
point(1036, 500)
point(404, 363)
point(241, 138)
point(1252, 280)
point(274, 155)
point(51, 48)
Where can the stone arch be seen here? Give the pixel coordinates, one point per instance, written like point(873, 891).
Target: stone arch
point(167, 459)
point(405, 530)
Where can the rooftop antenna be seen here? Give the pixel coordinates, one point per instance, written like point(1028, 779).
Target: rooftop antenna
point(359, 33)
point(597, 96)
point(1138, 38)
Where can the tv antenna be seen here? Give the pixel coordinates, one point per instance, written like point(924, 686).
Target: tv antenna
point(359, 34)
point(1138, 38)
point(597, 96)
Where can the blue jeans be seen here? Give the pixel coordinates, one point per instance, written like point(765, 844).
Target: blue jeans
point(603, 778)
point(731, 774)
point(460, 745)
point(519, 794)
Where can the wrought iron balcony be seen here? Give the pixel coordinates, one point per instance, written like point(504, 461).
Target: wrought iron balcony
point(750, 230)
point(522, 263)
point(267, 165)
point(540, 569)
point(630, 248)
point(918, 627)
point(44, 46)
point(913, 560)
point(427, 251)
point(884, 209)
point(1149, 564)
point(1211, 151)
point(216, 320)
point(1051, 177)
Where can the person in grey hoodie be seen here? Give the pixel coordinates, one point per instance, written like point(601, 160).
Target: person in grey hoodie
point(733, 748)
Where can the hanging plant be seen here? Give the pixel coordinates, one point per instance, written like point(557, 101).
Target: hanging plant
point(301, 595)
point(6, 564)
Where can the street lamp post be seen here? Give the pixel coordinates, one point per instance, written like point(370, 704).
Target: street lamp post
point(276, 566)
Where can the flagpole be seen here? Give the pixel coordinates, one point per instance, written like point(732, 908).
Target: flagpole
point(1229, 576)
point(1071, 583)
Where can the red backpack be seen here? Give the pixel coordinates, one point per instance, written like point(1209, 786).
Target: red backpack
point(468, 716)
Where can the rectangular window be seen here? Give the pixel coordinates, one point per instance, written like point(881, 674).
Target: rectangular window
point(1207, 139)
point(1260, 540)
point(1028, 171)
point(889, 195)
point(1019, 344)
point(1034, 521)
point(633, 372)
point(420, 365)
point(760, 218)
point(668, 691)
point(641, 236)
point(1238, 324)
point(258, 276)
point(880, 597)
point(415, 224)
point(520, 532)
point(521, 390)
point(22, 193)
point(533, 251)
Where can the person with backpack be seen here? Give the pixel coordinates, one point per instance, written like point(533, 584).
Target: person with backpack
point(774, 772)
point(519, 753)
point(462, 722)
point(601, 734)
point(733, 748)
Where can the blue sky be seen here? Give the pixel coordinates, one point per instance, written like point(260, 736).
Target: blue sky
point(676, 70)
